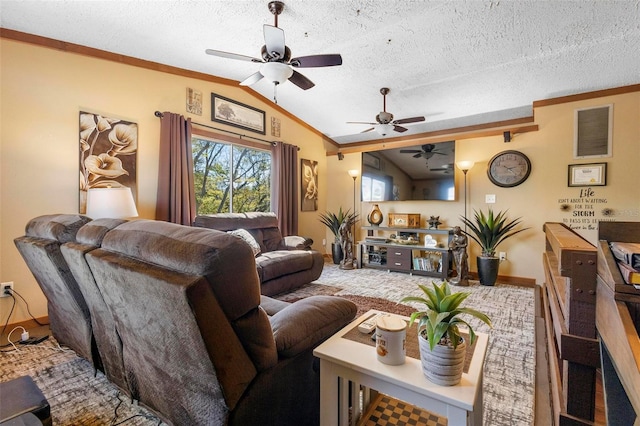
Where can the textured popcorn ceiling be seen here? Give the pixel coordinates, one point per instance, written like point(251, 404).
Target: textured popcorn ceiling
point(455, 62)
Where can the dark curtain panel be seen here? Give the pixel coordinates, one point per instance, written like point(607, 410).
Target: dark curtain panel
point(284, 186)
point(176, 198)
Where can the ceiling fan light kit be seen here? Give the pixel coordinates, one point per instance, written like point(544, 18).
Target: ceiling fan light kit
point(385, 123)
point(276, 57)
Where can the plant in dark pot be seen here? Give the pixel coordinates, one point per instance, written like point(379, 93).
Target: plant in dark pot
point(442, 346)
point(333, 221)
point(489, 230)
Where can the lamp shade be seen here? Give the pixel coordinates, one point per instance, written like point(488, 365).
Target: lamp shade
point(465, 165)
point(384, 129)
point(354, 173)
point(276, 72)
point(113, 203)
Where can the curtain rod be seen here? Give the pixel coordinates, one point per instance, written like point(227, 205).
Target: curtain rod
point(240, 135)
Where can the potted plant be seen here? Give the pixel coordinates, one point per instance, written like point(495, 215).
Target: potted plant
point(442, 347)
point(489, 231)
point(333, 222)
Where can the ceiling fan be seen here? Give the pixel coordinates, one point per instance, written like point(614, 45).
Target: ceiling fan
point(385, 122)
point(427, 151)
point(276, 59)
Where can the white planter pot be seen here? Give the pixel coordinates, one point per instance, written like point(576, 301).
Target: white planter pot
point(442, 366)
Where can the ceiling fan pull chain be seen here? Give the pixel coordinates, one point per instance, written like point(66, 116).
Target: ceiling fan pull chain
point(275, 92)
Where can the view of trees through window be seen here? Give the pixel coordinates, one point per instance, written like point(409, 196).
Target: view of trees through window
point(230, 178)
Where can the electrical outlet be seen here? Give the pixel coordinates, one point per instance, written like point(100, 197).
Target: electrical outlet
point(6, 289)
point(324, 242)
point(503, 256)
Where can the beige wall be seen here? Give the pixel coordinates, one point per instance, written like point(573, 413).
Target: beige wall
point(538, 199)
point(42, 91)
point(41, 94)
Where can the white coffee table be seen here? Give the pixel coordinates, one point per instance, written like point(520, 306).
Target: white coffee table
point(345, 362)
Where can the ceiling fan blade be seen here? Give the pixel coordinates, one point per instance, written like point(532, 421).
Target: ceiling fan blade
point(328, 60)
point(253, 78)
point(274, 40)
point(361, 122)
point(400, 129)
point(228, 55)
point(417, 155)
point(409, 151)
point(409, 120)
point(368, 130)
point(301, 81)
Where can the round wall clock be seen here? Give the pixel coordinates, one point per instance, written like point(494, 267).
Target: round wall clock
point(509, 168)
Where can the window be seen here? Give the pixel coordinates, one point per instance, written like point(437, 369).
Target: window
point(230, 178)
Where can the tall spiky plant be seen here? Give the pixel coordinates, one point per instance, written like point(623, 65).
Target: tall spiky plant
point(439, 322)
point(490, 230)
point(333, 221)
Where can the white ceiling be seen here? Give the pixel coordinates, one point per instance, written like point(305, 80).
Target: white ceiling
point(454, 62)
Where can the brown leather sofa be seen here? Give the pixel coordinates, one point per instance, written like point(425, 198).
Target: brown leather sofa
point(199, 344)
point(283, 263)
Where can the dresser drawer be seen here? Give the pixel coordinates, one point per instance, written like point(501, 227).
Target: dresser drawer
point(399, 258)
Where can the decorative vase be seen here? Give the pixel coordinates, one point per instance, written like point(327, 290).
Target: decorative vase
point(487, 269)
point(443, 365)
point(375, 216)
point(336, 253)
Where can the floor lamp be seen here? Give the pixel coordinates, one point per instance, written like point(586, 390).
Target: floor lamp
point(354, 174)
point(465, 166)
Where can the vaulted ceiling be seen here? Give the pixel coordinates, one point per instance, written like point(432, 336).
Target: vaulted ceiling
point(456, 63)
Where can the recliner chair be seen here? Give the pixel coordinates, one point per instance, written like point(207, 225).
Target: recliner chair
point(197, 345)
point(107, 339)
point(69, 315)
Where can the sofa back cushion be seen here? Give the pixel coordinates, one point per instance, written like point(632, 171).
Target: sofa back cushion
point(106, 335)
point(263, 226)
point(212, 277)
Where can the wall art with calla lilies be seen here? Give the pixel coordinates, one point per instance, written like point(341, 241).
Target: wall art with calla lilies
point(108, 148)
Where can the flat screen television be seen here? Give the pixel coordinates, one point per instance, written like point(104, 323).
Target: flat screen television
point(422, 172)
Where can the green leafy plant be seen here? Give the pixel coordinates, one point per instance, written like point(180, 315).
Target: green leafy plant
point(490, 230)
point(439, 322)
point(333, 221)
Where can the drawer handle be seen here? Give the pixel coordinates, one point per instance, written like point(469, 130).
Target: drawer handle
point(398, 253)
point(398, 264)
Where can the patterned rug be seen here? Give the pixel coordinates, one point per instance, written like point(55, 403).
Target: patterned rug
point(77, 396)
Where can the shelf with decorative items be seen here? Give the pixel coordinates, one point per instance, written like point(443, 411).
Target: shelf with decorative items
point(411, 250)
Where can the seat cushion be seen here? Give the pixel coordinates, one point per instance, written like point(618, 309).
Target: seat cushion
point(275, 264)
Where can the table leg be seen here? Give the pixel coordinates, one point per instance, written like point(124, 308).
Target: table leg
point(456, 416)
point(475, 419)
point(328, 394)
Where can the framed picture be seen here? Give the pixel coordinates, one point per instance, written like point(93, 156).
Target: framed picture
point(228, 111)
point(194, 101)
point(371, 160)
point(594, 174)
point(275, 127)
point(108, 154)
point(309, 185)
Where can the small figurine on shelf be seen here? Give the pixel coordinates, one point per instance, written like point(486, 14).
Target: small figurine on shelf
point(429, 241)
point(434, 221)
point(458, 246)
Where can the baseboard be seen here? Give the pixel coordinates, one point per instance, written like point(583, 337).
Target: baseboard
point(30, 323)
point(505, 279)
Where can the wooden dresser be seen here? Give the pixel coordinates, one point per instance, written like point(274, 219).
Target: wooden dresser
point(569, 301)
point(618, 325)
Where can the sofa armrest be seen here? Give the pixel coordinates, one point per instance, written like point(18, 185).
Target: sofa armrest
point(294, 242)
point(308, 322)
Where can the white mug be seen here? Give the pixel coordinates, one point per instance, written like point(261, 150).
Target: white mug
point(391, 336)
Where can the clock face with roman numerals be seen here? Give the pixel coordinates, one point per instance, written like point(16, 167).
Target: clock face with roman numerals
point(509, 168)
